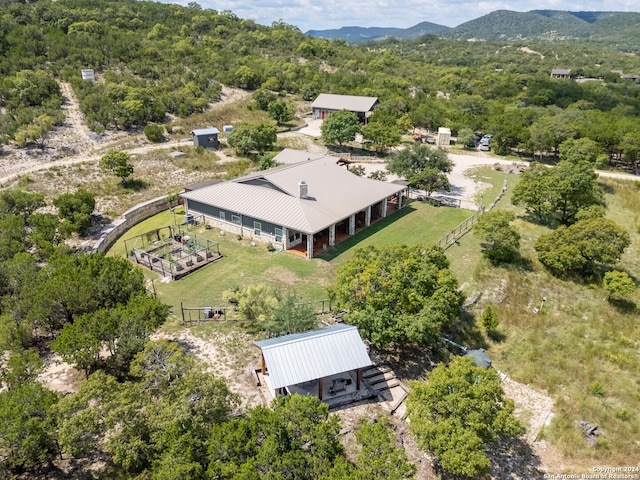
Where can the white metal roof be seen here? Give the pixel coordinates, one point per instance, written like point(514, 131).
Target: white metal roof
point(306, 356)
point(205, 131)
point(334, 194)
point(344, 102)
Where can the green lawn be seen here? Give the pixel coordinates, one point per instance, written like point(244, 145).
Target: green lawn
point(243, 264)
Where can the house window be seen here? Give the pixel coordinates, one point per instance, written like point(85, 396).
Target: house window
point(235, 219)
point(257, 228)
point(294, 236)
point(278, 234)
point(222, 217)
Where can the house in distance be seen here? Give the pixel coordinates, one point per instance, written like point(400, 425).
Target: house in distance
point(327, 103)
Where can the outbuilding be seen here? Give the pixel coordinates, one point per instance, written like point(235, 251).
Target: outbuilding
point(325, 361)
point(206, 137)
point(444, 137)
point(561, 73)
point(327, 103)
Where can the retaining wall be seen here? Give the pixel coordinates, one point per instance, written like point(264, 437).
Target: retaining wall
point(128, 219)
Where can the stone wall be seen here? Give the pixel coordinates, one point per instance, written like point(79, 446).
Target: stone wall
point(128, 219)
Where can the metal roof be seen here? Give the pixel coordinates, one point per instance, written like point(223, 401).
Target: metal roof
point(205, 131)
point(306, 356)
point(560, 71)
point(334, 194)
point(479, 356)
point(289, 156)
point(344, 102)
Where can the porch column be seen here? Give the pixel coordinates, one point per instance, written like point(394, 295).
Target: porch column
point(285, 238)
point(399, 200)
point(320, 389)
point(332, 235)
point(263, 364)
point(358, 378)
point(352, 224)
point(367, 216)
point(309, 245)
point(383, 208)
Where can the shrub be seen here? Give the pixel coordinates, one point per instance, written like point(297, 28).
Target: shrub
point(154, 133)
point(489, 318)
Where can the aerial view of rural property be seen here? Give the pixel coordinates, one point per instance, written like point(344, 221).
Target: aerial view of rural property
point(242, 240)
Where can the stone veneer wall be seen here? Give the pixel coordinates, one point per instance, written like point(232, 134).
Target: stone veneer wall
point(128, 219)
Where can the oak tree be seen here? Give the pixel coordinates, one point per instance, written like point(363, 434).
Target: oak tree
point(397, 293)
point(457, 412)
point(502, 239)
point(340, 127)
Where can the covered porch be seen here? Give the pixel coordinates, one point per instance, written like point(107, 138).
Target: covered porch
point(326, 362)
point(315, 244)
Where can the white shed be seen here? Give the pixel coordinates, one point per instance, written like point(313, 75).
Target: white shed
point(444, 137)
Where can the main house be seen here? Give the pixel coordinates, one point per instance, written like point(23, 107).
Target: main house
point(306, 205)
point(327, 103)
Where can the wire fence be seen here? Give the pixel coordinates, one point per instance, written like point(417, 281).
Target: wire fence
point(454, 235)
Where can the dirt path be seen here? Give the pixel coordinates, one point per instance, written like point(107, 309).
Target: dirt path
point(74, 121)
point(73, 142)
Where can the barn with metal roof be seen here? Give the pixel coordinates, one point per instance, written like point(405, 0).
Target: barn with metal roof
point(323, 358)
point(305, 206)
point(327, 103)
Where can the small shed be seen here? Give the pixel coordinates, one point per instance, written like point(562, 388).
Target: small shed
point(444, 136)
point(321, 358)
point(206, 137)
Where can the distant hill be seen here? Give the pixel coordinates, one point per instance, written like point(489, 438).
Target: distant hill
point(617, 29)
point(362, 34)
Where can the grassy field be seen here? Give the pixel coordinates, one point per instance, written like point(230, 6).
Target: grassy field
point(580, 348)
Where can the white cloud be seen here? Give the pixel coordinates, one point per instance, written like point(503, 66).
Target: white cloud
point(322, 15)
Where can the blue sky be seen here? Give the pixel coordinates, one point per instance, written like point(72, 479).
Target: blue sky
point(325, 14)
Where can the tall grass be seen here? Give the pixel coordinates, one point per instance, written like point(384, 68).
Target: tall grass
point(580, 348)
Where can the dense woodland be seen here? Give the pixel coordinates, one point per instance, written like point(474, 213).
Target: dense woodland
point(147, 409)
point(154, 59)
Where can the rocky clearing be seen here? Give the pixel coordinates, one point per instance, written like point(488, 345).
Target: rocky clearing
point(70, 158)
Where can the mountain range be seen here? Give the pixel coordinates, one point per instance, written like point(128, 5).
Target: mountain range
point(618, 29)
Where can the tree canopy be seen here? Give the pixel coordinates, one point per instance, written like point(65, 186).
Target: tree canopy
point(457, 412)
point(117, 163)
point(340, 127)
point(268, 310)
point(502, 239)
point(417, 158)
point(558, 193)
point(248, 138)
point(396, 293)
point(577, 249)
